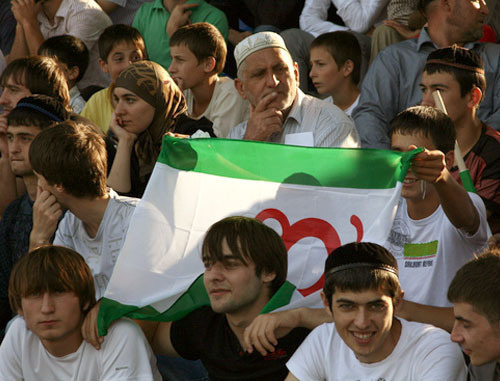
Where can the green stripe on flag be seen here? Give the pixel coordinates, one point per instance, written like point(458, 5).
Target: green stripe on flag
point(195, 297)
point(420, 249)
point(249, 160)
point(467, 181)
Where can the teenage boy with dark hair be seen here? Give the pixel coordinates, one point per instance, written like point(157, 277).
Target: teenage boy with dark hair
point(70, 162)
point(119, 46)
point(30, 116)
point(474, 293)
point(22, 78)
point(335, 68)
point(366, 340)
point(198, 54)
point(438, 225)
point(458, 74)
point(72, 56)
point(51, 288)
point(245, 265)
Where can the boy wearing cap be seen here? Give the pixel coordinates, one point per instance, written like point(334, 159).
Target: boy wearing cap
point(366, 341)
point(458, 74)
point(279, 111)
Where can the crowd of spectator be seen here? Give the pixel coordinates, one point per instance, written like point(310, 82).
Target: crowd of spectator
point(89, 88)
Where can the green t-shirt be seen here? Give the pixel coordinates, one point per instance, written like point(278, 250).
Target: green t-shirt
point(151, 20)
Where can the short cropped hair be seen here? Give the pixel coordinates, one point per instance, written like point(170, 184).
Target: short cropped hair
point(426, 121)
point(360, 266)
point(249, 240)
point(465, 65)
point(69, 50)
point(40, 75)
point(115, 34)
point(39, 111)
point(51, 269)
point(72, 155)
point(203, 40)
point(342, 46)
point(477, 283)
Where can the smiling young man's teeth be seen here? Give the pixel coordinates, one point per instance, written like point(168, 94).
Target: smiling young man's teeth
point(409, 181)
point(363, 335)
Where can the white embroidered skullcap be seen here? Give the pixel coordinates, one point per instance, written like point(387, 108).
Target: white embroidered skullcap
point(256, 42)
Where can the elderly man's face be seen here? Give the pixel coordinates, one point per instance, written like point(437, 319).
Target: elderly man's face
point(266, 71)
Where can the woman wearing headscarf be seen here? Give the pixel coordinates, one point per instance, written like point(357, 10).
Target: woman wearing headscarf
point(148, 104)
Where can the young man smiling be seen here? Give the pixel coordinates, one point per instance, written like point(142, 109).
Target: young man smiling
point(366, 341)
point(52, 289)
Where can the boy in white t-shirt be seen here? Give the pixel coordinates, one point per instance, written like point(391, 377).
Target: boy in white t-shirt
point(198, 54)
point(366, 341)
point(52, 290)
point(70, 163)
point(438, 225)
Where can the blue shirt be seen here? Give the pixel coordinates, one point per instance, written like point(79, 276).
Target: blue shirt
point(392, 84)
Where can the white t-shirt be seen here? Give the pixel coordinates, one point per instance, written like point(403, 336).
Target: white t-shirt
point(226, 108)
point(100, 252)
point(124, 355)
point(349, 109)
point(423, 352)
point(431, 250)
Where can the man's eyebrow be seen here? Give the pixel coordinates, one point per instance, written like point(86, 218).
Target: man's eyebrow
point(344, 300)
point(21, 134)
point(462, 319)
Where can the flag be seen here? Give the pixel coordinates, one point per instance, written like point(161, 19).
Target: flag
point(316, 199)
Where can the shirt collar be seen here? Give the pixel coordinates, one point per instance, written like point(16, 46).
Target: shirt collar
point(296, 111)
point(424, 38)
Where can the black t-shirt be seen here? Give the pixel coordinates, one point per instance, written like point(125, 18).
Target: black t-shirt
point(206, 335)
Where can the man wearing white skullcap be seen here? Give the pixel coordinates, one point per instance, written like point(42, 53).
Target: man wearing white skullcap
point(279, 111)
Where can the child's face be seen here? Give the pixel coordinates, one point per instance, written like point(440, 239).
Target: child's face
point(121, 56)
point(325, 74)
point(185, 69)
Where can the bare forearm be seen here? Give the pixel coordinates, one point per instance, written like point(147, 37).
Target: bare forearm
point(34, 37)
point(310, 318)
point(19, 47)
point(8, 191)
point(441, 317)
point(457, 204)
point(107, 6)
point(119, 175)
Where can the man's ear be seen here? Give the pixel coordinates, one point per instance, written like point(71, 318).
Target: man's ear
point(347, 68)
point(296, 72)
point(240, 87)
point(103, 65)
point(209, 64)
point(476, 96)
point(268, 277)
point(398, 299)
point(20, 312)
point(450, 159)
point(73, 73)
point(326, 304)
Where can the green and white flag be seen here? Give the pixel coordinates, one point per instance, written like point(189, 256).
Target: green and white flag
point(316, 198)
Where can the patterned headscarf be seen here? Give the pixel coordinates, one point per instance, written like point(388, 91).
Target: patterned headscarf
point(153, 84)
